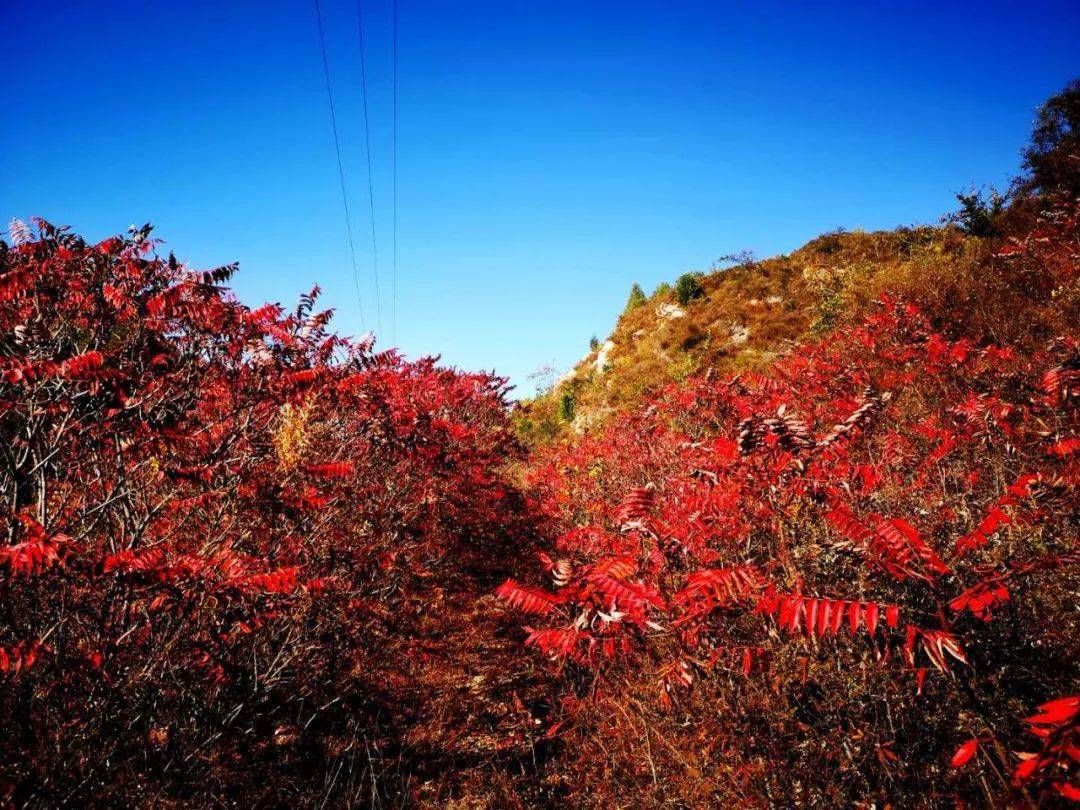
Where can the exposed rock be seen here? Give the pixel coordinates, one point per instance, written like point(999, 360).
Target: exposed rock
point(602, 356)
point(739, 334)
point(669, 312)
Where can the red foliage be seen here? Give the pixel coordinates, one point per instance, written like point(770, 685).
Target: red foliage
point(201, 501)
point(964, 753)
point(1057, 762)
point(723, 503)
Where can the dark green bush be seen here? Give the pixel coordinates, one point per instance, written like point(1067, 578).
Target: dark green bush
point(566, 407)
point(979, 216)
point(688, 287)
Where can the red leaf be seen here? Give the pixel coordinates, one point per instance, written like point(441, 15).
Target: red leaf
point(871, 617)
point(964, 753)
point(892, 615)
point(837, 616)
point(854, 613)
point(1070, 792)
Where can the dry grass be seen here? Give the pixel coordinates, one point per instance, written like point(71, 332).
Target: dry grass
point(754, 312)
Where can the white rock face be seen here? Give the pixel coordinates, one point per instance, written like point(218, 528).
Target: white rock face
point(670, 311)
point(602, 356)
point(774, 299)
point(739, 334)
point(565, 378)
point(581, 423)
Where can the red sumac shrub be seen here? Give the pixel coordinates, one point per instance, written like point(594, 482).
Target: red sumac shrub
point(213, 516)
point(856, 560)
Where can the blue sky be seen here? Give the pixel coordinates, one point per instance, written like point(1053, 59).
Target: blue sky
point(549, 153)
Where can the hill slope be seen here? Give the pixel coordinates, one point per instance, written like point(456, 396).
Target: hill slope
point(819, 581)
point(746, 315)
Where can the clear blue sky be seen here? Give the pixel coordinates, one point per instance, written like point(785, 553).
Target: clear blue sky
point(550, 153)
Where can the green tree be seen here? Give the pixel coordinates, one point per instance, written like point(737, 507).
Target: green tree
point(1052, 160)
point(637, 297)
point(688, 287)
point(979, 216)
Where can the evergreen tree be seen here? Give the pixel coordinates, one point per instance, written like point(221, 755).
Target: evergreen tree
point(687, 288)
point(567, 407)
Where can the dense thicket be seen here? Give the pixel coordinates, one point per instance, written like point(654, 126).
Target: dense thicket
point(223, 530)
point(814, 585)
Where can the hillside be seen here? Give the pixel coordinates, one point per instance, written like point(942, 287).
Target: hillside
point(813, 523)
point(744, 312)
point(747, 314)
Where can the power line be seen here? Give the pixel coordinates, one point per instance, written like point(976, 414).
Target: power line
point(340, 167)
point(367, 146)
point(394, 287)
